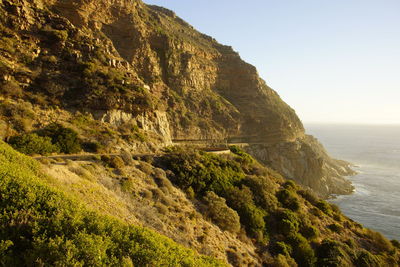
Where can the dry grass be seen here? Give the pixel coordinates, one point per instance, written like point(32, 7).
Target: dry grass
point(149, 200)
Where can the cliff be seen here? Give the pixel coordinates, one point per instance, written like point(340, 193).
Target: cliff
point(124, 61)
point(124, 81)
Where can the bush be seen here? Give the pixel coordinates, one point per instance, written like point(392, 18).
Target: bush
point(93, 147)
point(309, 196)
point(366, 259)
point(251, 216)
point(381, 243)
point(302, 251)
point(287, 222)
point(288, 199)
point(202, 171)
point(330, 254)
point(395, 243)
point(324, 207)
point(282, 248)
point(263, 190)
point(65, 138)
point(223, 216)
point(334, 227)
point(309, 232)
point(33, 144)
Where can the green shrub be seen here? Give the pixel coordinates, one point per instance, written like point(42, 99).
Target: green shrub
point(288, 199)
point(64, 138)
point(223, 216)
point(334, 227)
point(55, 35)
point(302, 251)
point(366, 259)
point(282, 248)
point(287, 222)
point(251, 216)
point(242, 156)
point(93, 147)
point(381, 243)
point(330, 254)
point(263, 190)
point(33, 144)
point(324, 207)
point(113, 161)
point(202, 171)
point(395, 243)
point(309, 196)
point(290, 185)
point(309, 232)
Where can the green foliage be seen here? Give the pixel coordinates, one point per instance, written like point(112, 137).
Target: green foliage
point(309, 196)
point(366, 259)
point(32, 143)
point(223, 216)
point(55, 35)
point(381, 243)
point(64, 138)
point(334, 227)
point(251, 216)
point(288, 222)
point(330, 254)
point(290, 185)
point(309, 231)
point(395, 243)
point(205, 172)
point(282, 248)
point(302, 251)
point(41, 226)
point(324, 207)
point(288, 199)
point(263, 190)
point(243, 157)
point(202, 171)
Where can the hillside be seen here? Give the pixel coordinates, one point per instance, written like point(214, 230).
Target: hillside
point(124, 63)
point(98, 212)
point(106, 108)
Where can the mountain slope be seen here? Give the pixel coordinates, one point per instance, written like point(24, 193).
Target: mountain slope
point(125, 62)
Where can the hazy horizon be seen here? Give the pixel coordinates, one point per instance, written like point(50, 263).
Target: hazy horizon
point(333, 62)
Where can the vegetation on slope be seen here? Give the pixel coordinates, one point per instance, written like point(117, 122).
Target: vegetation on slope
point(41, 226)
point(287, 222)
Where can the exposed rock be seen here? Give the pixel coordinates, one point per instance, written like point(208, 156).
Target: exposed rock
point(307, 162)
point(143, 63)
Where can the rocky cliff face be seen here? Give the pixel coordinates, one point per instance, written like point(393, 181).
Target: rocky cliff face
point(306, 161)
point(127, 60)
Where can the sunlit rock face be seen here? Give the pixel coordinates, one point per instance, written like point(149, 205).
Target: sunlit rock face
point(155, 68)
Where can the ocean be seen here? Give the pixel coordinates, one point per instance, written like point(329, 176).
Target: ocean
point(375, 151)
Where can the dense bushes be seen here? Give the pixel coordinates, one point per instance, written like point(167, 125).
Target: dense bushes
point(65, 138)
point(53, 138)
point(223, 216)
point(33, 144)
point(42, 226)
point(282, 218)
point(330, 254)
point(288, 199)
point(202, 171)
point(302, 251)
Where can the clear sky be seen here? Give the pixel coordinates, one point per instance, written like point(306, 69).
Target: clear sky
point(332, 61)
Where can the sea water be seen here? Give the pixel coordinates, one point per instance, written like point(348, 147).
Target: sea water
point(375, 152)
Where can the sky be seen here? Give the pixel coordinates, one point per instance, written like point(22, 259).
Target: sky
point(334, 61)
